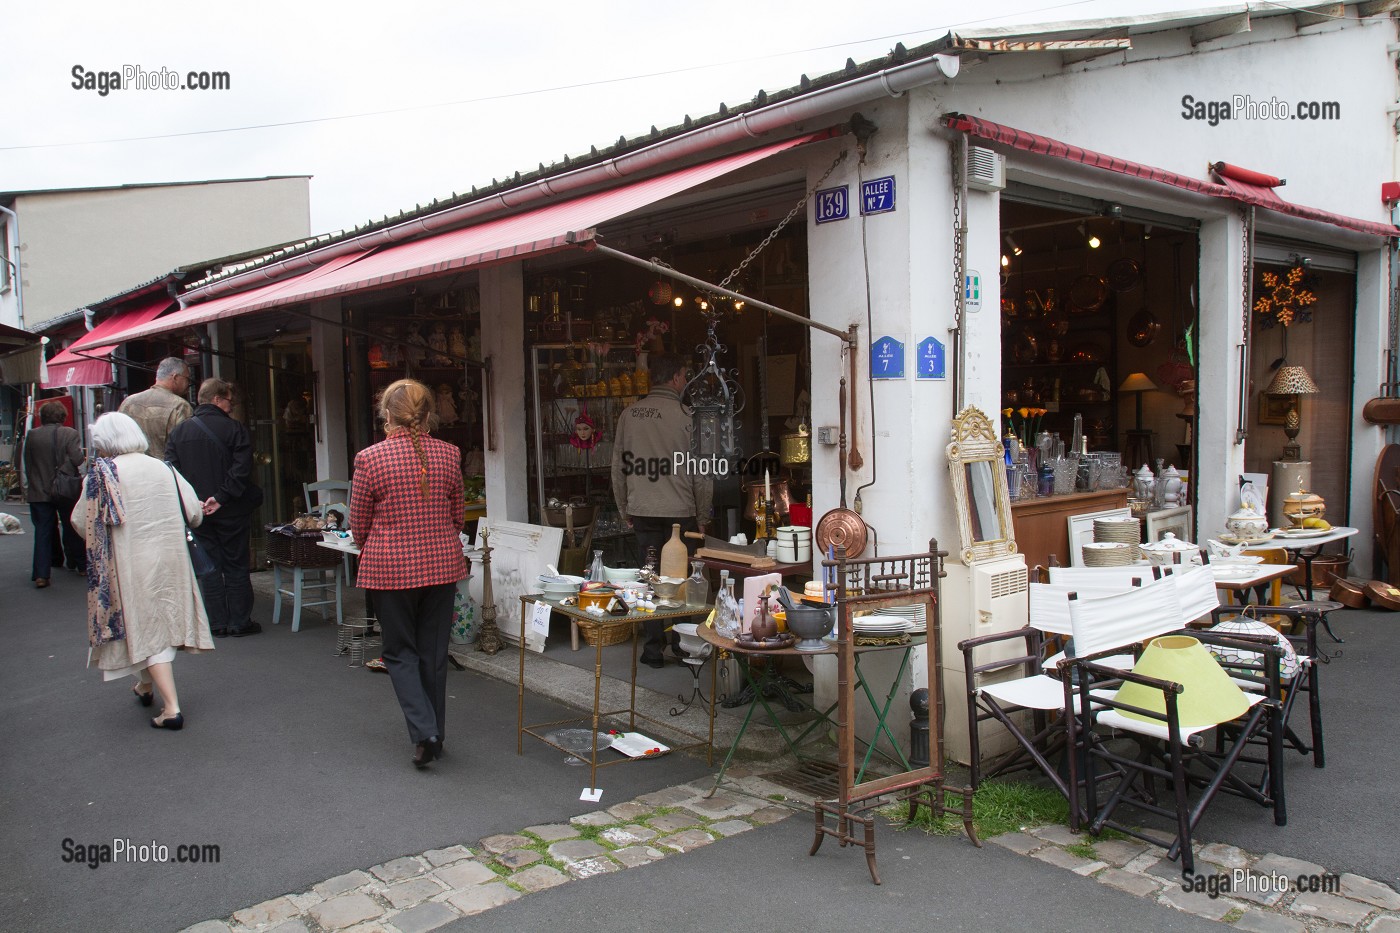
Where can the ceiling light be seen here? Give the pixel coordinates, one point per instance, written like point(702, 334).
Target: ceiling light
point(678, 301)
point(1005, 260)
point(1015, 248)
point(1095, 242)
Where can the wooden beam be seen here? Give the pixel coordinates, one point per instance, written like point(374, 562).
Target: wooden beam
point(1376, 7)
point(1220, 28)
point(1317, 15)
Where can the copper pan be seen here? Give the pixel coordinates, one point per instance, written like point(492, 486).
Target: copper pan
point(842, 527)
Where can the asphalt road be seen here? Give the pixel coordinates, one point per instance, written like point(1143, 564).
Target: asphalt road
point(296, 766)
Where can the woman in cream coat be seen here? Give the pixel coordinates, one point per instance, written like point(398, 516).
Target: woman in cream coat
point(143, 599)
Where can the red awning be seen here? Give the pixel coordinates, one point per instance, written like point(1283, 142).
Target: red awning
point(513, 237)
point(106, 335)
point(1256, 195)
point(67, 369)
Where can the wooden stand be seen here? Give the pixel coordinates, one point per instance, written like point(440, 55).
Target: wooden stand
point(866, 585)
point(1042, 528)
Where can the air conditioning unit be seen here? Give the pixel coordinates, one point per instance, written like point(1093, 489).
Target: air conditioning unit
point(986, 170)
point(985, 598)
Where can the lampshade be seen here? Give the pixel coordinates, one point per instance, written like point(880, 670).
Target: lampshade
point(1291, 380)
point(1137, 382)
point(1210, 697)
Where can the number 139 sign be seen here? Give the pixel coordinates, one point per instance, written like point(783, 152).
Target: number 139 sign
point(832, 204)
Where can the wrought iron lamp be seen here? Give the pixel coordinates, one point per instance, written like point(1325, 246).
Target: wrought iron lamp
point(1292, 381)
point(712, 399)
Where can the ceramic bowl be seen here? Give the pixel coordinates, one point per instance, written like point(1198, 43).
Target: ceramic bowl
point(811, 625)
point(621, 574)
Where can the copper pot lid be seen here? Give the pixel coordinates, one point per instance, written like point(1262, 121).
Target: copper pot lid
point(842, 528)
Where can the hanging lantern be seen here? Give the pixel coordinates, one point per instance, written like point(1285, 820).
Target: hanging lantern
point(660, 292)
point(712, 399)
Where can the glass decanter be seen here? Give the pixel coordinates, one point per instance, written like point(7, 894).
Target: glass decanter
point(697, 588)
point(728, 615)
point(596, 574)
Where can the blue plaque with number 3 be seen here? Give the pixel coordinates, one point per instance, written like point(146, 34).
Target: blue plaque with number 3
point(887, 359)
point(931, 361)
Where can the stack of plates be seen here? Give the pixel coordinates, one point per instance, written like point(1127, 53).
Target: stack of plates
point(916, 615)
point(881, 625)
point(1119, 531)
point(1108, 554)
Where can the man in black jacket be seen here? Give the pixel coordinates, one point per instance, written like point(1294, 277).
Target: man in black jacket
point(213, 452)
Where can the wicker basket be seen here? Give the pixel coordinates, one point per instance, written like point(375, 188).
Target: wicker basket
point(604, 635)
point(298, 548)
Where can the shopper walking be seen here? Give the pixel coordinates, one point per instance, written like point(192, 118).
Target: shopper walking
point(158, 409)
point(143, 602)
point(651, 493)
point(406, 512)
point(214, 453)
point(50, 450)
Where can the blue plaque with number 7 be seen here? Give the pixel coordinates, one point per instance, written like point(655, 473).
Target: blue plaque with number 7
point(887, 359)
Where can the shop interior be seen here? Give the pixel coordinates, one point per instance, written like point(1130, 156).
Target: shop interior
point(1090, 301)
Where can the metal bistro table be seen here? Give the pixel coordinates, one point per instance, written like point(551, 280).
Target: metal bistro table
point(597, 627)
point(823, 717)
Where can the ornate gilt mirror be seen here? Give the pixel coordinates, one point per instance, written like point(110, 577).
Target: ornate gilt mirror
point(979, 488)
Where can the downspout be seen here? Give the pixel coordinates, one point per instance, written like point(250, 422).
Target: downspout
point(748, 125)
point(19, 277)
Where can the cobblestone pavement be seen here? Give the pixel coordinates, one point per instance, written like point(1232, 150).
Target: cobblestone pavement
point(1245, 899)
point(423, 892)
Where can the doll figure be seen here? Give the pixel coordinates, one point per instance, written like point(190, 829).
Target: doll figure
point(446, 406)
point(437, 342)
point(391, 354)
point(457, 343)
point(585, 436)
point(469, 398)
point(416, 347)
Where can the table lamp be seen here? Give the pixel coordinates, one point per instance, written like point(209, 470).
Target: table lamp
point(1139, 440)
point(1292, 381)
point(1210, 697)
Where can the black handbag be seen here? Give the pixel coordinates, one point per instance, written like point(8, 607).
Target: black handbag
point(67, 487)
point(200, 560)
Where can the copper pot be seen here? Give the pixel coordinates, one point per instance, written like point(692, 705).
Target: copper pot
point(753, 497)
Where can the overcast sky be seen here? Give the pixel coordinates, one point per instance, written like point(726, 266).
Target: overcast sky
point(509, 85)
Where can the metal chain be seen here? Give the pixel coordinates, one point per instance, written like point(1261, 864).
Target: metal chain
point(955, 150)
point(785, 221)
point(1247, 309)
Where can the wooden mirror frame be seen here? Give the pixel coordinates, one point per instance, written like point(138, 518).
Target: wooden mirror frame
point(975, 440)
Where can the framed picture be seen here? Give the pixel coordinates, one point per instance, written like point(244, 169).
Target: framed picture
point(1273, 409)
point(1081, 531)
point(1177, 521)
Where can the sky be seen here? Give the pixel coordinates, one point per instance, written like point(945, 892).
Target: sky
point(389, 105)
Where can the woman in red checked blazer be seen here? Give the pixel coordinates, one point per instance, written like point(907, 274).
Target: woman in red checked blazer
point(406, 511)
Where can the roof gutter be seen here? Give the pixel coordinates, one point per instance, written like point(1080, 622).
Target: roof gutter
point(892, 81)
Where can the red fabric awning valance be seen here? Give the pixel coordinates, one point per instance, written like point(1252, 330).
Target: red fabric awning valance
point(1225, 188)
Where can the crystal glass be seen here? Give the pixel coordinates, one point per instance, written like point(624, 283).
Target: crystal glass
point(1065, 470)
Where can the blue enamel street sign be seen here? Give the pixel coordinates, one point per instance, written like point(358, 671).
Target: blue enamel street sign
point(887, 359)
point(931, 362)
point(877, 195)
point(832, 204)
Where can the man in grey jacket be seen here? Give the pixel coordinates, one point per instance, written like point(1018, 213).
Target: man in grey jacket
point(49, 449)
point(653, 487)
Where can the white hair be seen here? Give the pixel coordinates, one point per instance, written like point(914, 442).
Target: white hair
point(115, 433)
point(171, 366)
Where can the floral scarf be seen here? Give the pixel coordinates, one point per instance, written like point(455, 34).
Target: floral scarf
point(104, 512)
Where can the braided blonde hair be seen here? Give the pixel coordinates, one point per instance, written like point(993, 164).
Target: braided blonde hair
point(408, 404)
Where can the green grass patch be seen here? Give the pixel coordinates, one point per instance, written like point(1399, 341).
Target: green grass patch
point(1232, 916)
point(997, 807)
point(778, 797)
point(1082, 850)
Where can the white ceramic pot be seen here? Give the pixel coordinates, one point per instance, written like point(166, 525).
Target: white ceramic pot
point(1247, 524)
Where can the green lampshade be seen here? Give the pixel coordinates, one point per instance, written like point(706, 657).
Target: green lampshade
point(1210, 697)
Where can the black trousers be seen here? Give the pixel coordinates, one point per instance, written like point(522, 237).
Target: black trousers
point(228, 591)
point(654, 533)
point(416, 624)
point(45, 516)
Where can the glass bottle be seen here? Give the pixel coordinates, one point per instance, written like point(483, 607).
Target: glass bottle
point(728, 615)
point(697, 588)
point(596, 574)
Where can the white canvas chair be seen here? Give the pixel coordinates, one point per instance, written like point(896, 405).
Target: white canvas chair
point(1166, 749)
point(1034, 692)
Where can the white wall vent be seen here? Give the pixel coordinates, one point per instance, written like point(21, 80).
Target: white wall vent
point(986, 170)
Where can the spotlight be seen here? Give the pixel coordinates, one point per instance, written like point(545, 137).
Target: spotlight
point(1015, 249)
point(678, 301)
point(1095, 242)
point(1005, 260)
point(1147, 231)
